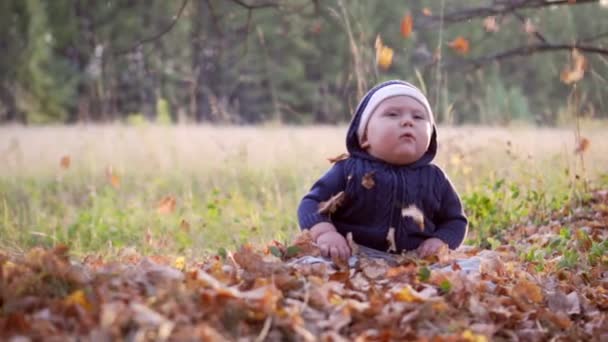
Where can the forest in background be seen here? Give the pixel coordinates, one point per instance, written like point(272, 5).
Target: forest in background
point(295, 61)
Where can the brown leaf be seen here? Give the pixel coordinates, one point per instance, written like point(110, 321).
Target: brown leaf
point(166, 205)
point(390, 237)
point(415, 213)
point(331, 205)
point(338, 158)
point(460, 45)
point(528, 291)
point(368, 180)
point(407, 24)
point(184, 225)
point(574, 72)
point(65, 162)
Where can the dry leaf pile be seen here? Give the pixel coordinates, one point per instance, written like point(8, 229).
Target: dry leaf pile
point(262, 295)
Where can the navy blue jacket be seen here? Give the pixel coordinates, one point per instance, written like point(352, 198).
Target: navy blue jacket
point(369, 213)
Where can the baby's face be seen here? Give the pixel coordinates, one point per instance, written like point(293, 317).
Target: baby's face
point(399, 131)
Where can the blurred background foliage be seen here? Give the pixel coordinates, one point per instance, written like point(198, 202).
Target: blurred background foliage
point(287, 61)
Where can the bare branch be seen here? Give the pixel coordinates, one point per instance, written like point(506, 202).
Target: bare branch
point(269, 4)
point(501, 7)
point(156, 36)
point(527, 50)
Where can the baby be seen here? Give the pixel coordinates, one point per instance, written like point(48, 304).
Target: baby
point(387, 183)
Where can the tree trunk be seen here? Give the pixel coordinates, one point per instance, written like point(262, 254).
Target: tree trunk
point(7, 98)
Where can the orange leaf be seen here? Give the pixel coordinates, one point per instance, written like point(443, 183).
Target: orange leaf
point(65, 162)
point(583, 145)
point(575, 72)
point(427, 12)
point(490, 24)
point(166, 205)
point(113, 178)
point(460, 45)
point(407, 25)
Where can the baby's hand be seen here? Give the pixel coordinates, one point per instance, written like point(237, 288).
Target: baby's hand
point(333, 245)
point(430, 247)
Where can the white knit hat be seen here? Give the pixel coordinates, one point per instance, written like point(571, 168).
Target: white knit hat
point(388, 91)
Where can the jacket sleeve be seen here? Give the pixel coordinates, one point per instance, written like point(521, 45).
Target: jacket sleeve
point(451, 223)
point(327, 186)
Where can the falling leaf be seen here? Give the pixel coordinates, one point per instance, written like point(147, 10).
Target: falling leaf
point(112, 177)
point(65, 162)
point(575, 72)
point(460, 45)
point(166, 205)
point(338, 158)
point(390, 237)
point(354, 248)
point(490, 24)
point(384, 54)
point(427, 12)
point(368, 180)
point(184, 225)
point(415, 213)
point(583, 145)
point(407, 24)
point(78, 297)
point(529, 27)
point(331, 205)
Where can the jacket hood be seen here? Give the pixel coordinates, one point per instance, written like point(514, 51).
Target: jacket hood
point(352, 139)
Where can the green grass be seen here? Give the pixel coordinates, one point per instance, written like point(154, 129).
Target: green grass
point(235, 185)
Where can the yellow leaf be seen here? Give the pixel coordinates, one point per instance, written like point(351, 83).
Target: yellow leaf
point(407, 25)
point(460, 45)
point(407, 294)
point(470, 336)
point(65, 162)
point(78, 297)
point(180, 263)
point(415, 213)
point(166, 205)
point(576, 71)
point(384, 54)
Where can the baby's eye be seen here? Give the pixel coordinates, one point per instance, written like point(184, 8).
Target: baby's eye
point(391, 114)
point(418, 116)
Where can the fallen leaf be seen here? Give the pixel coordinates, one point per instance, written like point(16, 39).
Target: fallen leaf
point(574, 72)
point(390, 237)
point(166, 205)
point(470, 336)
point(368, 180)
point(407, 24)
point(415, 213)
point(65, 162)
point(78, 297)
point(331, 205)
point(338, 158)
point(490, 24)
point(460, 45)
point(528, 291)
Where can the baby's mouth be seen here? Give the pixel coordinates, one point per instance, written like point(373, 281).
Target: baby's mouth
point(407, 136)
